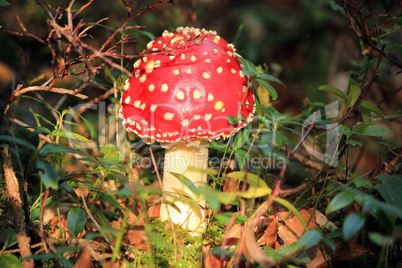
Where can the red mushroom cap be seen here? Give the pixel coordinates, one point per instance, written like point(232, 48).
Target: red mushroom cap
point(185, 86)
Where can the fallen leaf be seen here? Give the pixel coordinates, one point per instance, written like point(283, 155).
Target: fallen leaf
point(233, 235)
point(292, 229)
point(270, 235)
point(210, 260)
point(323, 221)
point(137, 235)
point(344, 252)
point(84, 260)
point(251, 251)
point(153, 211)
point(317, 258)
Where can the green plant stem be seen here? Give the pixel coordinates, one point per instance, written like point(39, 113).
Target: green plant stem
point(119, 238)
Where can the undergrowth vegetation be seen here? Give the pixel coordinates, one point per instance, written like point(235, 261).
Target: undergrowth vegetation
point(313, 181)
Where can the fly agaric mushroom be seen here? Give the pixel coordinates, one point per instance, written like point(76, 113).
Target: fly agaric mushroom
point(183, 89)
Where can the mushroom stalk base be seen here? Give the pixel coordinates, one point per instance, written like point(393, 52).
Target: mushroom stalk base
point(188, 209)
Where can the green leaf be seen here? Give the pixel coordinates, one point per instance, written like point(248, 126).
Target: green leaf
point(354, 91)
point(248, 67)
point(108, 198)
point(210, 171)
point(224, 218)
point(17, 141)
point(390, 188)
point(254, 192)
point(362, 182)
point(76, 220)
point(380, 239)
point(48, 174)
point(39, 130)
point(269, 78)
point(251, 179)
point(241, 157)
point(334, 90)
point(291, 208)
point(214, 197)
point(341, 200)
point(369, 130)
point(4, 3)
point(352, 224)
point(104, 222)
point(184, 180)
point(10, 260)
point(70, 135)
point(330, 242)
point(67, 188)
point(241, 138)
point(271, 90)
point(309, 239)
point(51, 148)
point(65, 249)
point(386, 207)
point(372, 108)
point(88, 124)
point(233, 120)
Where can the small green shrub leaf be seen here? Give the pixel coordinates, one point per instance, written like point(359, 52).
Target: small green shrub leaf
point(369, 130)
point(76, 220)
point(51, 148)
point(354, 91)
point(241, 138)
point(18, 141)
point(309, 239)
point(269, 78)
point(386, 207)
point(4, 3)
point(352, 224)
point(241, 158)
point(251, 179)
point(10, 260)
point(233, 120)
point(390, 188)
point(335, 91)
point(271, 90)
point(70, 135)
point(372, 108)
point(248, 67)
point(380, 239)
point(341, 200)
point(48, 174)
point(362, 182)
point(224, 218)
point(254, 192)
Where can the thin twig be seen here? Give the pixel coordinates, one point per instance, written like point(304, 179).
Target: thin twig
point(20, 91)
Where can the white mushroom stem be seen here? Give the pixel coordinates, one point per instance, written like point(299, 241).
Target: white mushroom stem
point(188, 209)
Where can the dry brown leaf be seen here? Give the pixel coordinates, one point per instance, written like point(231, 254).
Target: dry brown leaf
point(344, 252)
point(153, 211)
point(323, 221)
point(210, 260)
point(110, 264)
point(270, 235)
point(251, 251)
point(137, 236)
point(317, 258)
point(84, 260)
point(292, 229)
point(233, 235)
point(230, 185)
